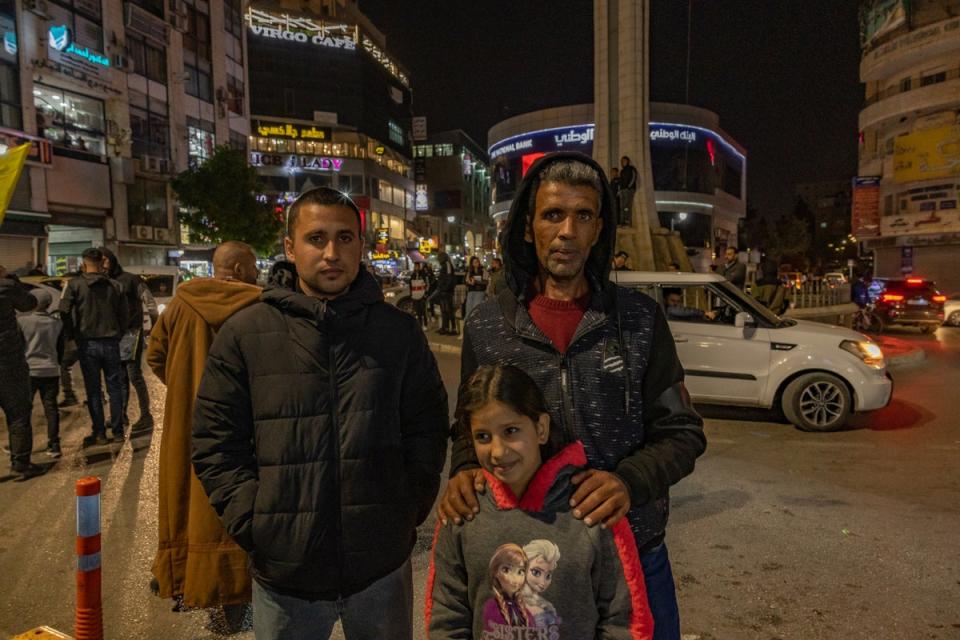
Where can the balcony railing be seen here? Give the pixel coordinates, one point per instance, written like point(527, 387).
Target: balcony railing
point(951, 74)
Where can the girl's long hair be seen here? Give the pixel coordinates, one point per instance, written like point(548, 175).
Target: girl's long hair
point(512, 555)
point(512, 387)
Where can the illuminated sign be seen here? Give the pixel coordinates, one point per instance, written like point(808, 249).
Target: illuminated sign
point(383, 235)
point(58, 37)
point(291, 131)
point(426, 246)
point(295, 162)
point(675, 133)
point(578, 137)
point(302, 30)
point(421, 201)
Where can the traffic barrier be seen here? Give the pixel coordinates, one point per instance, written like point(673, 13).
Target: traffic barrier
point(89, 617)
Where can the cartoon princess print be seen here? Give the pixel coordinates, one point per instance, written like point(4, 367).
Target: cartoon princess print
point(508, 570)
point(542, 558)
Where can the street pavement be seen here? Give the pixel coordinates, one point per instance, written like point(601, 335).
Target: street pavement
point(777, 534)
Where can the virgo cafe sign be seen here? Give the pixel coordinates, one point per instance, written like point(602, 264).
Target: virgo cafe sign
point(301, 30)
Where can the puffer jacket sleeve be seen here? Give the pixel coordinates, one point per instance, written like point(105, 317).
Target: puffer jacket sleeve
point(423, 420)
point(673, 431)
point(622, 604)
point(223, 447)
point(448, 614)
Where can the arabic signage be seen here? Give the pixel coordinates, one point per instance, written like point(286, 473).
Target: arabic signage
point(302, 30)
point(915, 39)
point(62, 49)
point(295, 162)
point(865, 211)
point(925, 210)
point(290, 131)
point(8, 30)
point(574, 138)
point(928, 154)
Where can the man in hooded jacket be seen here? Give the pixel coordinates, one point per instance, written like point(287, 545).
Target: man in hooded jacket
point(15, 396)
point(196, 560)
point(320, 434)
point(131, 352)
point(604, 357)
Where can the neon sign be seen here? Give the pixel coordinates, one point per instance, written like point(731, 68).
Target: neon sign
point(59, 39)
point(295, 162)
point(302, 30)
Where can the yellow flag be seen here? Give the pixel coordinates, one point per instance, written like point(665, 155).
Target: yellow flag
point(11, 163)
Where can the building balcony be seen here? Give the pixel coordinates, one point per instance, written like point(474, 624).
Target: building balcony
point(930, 98)
point(911, 50)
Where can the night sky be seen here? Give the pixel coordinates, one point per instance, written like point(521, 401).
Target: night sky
point(782, 75)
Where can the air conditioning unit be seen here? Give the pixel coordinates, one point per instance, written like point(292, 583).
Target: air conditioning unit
point(39, 7)
point(162, 235)
point(139, 232)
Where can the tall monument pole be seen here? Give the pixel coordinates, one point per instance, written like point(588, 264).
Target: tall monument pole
point(622, 112)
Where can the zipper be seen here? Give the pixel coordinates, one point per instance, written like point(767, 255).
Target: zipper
point(567, 404)
point(335, 417)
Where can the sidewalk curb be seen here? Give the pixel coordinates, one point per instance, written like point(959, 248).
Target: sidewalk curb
point(445, 348)
point(912, 357)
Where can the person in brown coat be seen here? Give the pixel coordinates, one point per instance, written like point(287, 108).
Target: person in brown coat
point(196, 559)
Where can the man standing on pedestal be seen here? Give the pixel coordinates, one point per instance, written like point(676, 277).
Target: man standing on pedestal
point(196, 560)
point(628, 187)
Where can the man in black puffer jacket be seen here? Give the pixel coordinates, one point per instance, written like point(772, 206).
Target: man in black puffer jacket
point(320, 434)
point(15, 397)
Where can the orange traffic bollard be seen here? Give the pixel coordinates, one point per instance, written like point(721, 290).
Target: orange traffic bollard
point(89, 620)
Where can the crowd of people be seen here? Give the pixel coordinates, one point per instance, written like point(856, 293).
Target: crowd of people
point(306, 428)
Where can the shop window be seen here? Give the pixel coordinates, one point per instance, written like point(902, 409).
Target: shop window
point(443, 149)
point(200, 141)
point(147, 203)
point(70, 120)
point(148, 60)
point(150, 130)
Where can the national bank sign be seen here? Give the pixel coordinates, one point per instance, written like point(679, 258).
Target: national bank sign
point(59, 38)
point(572, 138)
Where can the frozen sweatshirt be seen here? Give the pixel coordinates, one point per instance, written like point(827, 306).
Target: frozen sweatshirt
point(526, 569)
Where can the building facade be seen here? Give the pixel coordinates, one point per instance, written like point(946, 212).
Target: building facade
point(453, 195)
point(699, 171)
point(910, 139)
point(832, 244)
point(330, 107)
point(118, 97)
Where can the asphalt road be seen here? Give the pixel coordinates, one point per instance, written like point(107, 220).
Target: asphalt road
point(777, 534)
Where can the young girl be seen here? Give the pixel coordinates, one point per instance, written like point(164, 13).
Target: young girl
point(482, 583)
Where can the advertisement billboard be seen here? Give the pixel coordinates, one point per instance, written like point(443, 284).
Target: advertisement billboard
point(928, 154)
point(925, 210)
point(865, 211)
point(880, 17)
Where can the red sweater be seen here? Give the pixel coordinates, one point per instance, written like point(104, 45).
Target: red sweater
point(558, 319)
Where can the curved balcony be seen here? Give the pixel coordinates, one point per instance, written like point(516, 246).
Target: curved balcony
point(911, 50)
point(933, 97)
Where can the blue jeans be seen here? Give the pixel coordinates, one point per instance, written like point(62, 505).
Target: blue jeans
point(661, 593)
point(384, 610)
point(473, 299)
point(102, 356)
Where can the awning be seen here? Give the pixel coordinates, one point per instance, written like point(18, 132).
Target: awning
point(415, 255)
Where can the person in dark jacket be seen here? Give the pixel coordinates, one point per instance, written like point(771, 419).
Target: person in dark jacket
point(320, 434)
point(446, 283)
point(732, 269)
point(769, 290)
point(603, 356)
point(15, 396)
point(132, 343)
point(627, 189)
point(94, 313)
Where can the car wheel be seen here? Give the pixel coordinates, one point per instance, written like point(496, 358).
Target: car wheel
point(406, 305)
point(817, 402)
point(954, 319)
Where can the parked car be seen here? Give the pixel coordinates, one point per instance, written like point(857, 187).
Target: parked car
point(951, 312)
point(736, 352)
point(162, 281)
point(912, 302)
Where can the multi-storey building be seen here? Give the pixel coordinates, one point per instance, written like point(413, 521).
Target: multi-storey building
point(330, 106)
point(910, 139)
point(829, 205)
point(119, 96)
point(453, 194)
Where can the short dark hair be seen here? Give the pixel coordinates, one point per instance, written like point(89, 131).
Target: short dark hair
point(735, 250)
point(92, 254)
point(508, 385)
point(325, 196)
point(621, 254)
point(670, 291)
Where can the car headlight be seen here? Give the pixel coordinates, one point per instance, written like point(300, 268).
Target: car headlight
point(390, 294)
point(869, 352)
point(161, 307)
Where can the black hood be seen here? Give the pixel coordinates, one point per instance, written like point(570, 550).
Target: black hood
point(115, 267)
point(520, 262)
point(283, 291)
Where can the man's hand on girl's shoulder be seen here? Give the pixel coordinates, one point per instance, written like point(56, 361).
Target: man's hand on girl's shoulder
point(601, 497)
point(459, 500)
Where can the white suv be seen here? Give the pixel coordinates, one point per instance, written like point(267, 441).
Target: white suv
point(736, 352)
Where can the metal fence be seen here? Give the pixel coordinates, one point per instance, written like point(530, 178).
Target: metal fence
point(817, 293)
